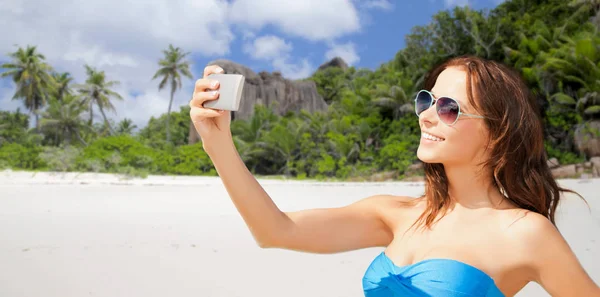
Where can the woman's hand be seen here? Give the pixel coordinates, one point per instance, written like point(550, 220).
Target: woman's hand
point(212, 125)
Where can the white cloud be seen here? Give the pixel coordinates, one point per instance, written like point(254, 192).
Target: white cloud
point(278, 52)
point(267, 47)
point(114, 26)
point(310, 19)
point(346, 51)
point(378, 4)
point(293, 70)
point(124, 39)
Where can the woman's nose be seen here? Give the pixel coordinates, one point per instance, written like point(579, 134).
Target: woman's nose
point(428, 115)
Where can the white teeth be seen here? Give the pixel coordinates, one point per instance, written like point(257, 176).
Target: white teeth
point(430, 137)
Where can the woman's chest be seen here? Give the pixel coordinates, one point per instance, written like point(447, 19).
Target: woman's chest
point(481, 246)
point(462, 235)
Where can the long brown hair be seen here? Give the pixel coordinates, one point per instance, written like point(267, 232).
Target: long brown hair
point(518, 160)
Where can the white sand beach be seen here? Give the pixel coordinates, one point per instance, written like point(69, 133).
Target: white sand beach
point(75, 235)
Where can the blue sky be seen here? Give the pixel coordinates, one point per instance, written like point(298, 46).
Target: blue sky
point(125, 39)
point(378, 40)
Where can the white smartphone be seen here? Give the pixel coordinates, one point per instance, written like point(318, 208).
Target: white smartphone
point(230, 92)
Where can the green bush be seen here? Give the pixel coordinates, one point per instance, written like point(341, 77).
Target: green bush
point(129, 172)
point(122, 151)
point(18, 156)
point(398, 153)
point(60, 158)
point(191, 160)
point(563, 157)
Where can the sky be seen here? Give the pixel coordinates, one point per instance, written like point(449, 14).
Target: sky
point(126, 38)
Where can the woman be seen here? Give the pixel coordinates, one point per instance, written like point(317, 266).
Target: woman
point(485, 225)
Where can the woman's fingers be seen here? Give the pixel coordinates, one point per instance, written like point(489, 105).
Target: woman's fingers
point(204, 84)
point(210, 69)
point(205, 89)
point(199, 113)
point(201, 97)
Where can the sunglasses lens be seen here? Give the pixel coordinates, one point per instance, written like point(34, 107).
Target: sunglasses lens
point(423, 102)
point(447, 109)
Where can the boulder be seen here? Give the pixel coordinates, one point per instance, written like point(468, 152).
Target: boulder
point(567, 171)
point(595, 166)
point(579, 169)
point(587, 139)
point(553, 163)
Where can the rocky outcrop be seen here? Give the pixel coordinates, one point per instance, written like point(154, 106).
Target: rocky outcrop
point(567, 171)
point(587, 139)
point(270, 89)
point(589, 169)
point(595, 164)
point(581, 170)
point(553, 163)
point(335, 62)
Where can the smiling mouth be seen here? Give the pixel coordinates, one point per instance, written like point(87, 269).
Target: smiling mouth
point(431, 137)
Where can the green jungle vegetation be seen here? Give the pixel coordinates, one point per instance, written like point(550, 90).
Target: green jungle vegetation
point(370, 126)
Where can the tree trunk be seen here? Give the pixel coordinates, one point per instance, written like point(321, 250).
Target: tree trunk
point(79, 137)
point(193, 136)
point(37, 123)
point(112, 132)
point(67, 134)
point(169, 115)
point(91, 121)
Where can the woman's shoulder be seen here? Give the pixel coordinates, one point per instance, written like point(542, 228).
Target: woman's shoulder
point(528, 227)
point(527, 231)
point(396, 211)
point(525, 223)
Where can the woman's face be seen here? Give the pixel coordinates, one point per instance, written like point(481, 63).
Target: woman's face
point(462, 143)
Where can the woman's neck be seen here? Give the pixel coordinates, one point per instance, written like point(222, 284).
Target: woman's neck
point(471, 187)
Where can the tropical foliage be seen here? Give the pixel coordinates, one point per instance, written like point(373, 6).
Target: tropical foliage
point(369, 127)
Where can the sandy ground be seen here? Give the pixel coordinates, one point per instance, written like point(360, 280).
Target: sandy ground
point(97, 235)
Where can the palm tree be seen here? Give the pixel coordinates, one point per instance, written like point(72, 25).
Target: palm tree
point(282, 142)
point(14, 126)
point(393, 98)
point(593, 6)
point(172, 66)
point(64, 118)
point(126, 126)
point(31, 75)
point(576, 65)
point(248, 134)
point(2, 128)
point(318, 122)
point(97, 91)
point(62, 83)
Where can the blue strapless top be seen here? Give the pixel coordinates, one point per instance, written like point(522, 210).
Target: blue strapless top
point(431, 277)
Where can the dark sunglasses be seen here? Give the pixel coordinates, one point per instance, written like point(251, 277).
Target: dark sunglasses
point(447, 109)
